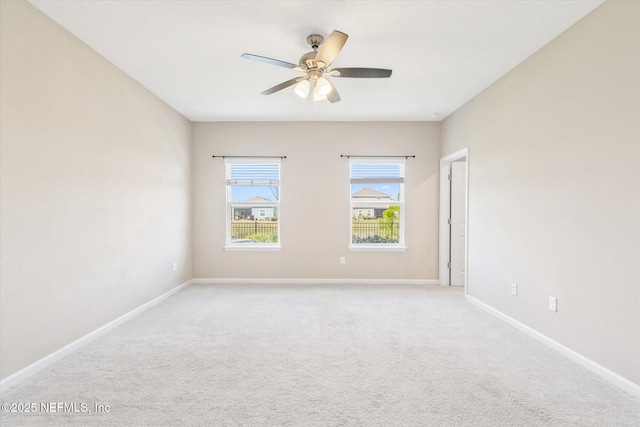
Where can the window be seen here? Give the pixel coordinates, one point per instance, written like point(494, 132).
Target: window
point(253, 203)
point(377, 204)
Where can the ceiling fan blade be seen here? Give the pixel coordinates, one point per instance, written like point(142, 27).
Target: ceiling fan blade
point(333, 96)
point(362, 73)
point(269, 60)
point(283, 85)
point(331, 47)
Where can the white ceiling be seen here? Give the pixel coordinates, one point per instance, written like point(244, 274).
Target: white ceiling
point(442, 52)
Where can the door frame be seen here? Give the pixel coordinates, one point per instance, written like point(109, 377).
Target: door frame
point(444, 237)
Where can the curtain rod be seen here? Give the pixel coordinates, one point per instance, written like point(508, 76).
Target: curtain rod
point(348, 156)
point(252, 157)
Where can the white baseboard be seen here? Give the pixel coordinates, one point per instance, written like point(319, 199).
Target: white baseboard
point(585, 362)
point(234, 281)
point(24, 373)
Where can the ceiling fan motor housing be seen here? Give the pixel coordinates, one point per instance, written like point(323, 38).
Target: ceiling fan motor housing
point(308, 60)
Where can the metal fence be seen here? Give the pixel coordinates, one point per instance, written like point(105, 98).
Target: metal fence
point(375, 232)
point(362, 231)
point(248, 229)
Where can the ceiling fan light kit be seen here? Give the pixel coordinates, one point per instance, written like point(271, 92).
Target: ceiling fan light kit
point(315, 65)
point(317, 95)
point(323, 85)
point(302, 88)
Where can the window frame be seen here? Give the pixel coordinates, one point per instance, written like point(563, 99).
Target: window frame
point(230, 206)
point(400, 246)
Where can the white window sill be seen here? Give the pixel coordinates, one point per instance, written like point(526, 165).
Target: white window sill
point(378, 248)
point(252, 248)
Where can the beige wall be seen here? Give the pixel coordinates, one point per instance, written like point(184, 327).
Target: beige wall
point(95, 185)
point(315, 179)
point(554, 200)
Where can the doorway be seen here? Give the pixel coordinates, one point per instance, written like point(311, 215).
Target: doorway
point(453, 219)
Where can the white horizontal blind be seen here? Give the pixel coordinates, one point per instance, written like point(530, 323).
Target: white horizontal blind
point(253, 174)
point(377, 173)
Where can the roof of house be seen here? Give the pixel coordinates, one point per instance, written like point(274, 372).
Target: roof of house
point(258, 199)
point(371, 193)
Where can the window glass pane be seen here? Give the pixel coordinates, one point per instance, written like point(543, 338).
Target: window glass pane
point(253, 196)
point(376, 225)
point(254, 224)
point(376, 203)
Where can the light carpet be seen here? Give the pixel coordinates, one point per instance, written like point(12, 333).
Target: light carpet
point(267, 355)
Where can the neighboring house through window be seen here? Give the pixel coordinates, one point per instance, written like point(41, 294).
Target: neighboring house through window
point(253, 203)
point(377, 203)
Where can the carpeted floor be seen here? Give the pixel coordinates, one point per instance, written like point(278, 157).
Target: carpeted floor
point(320, 356)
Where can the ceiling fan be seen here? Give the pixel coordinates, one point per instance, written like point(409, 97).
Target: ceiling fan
point(315, 65)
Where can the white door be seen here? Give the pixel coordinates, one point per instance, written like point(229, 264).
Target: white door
point(458, 226)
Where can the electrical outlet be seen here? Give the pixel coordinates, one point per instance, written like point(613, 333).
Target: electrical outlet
point(175, 266)
point(514, 288)
point(343, 260)
point(553, 304)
